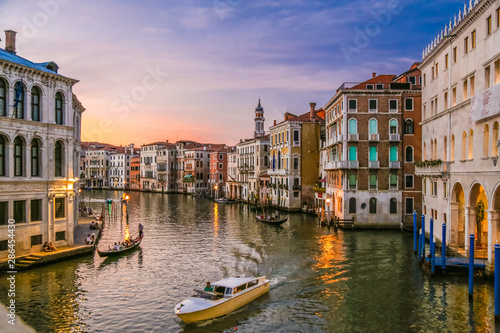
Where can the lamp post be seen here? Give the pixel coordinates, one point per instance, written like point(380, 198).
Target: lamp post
point(328, 211)
point(215, 191)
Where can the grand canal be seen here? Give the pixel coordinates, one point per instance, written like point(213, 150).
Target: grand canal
point(321, 281)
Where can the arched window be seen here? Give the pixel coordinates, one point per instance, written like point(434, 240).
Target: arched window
point(452, 148)
point(393, 206)
point(393, 181)
point(393, 126)
point(464, 145)
point(58, 159)
point(3, 158)
point(373, 127)
point(471, 144)
point(494, 147)
point(352, 181)
point(373, 181)
point(373, 206)
point(3, 98)
point(373, 153)
point(353, 156)
point(35, 104)
point(486, 140)
point(353, 126)
point(393, 154)
point(35, 158)
point(352, 205)
point(445, 145)
point(409, 126)
point(18, 157)
point(59, 109)
point(19, 92)
point(409, 154)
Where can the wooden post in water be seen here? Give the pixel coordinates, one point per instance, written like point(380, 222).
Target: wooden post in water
point(471, 265)
point(414, 232)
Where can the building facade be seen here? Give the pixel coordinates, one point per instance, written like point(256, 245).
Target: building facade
point(460, 123)
point(40, 121)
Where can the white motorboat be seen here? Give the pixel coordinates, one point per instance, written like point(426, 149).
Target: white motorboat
point(228, 295)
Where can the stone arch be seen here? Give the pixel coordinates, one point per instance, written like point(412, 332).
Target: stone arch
point(478, 203)
point(457, 218)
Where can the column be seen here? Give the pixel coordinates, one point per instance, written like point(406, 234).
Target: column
point(454, 223)
point(469, 224)
point(493, 219)
point(10, 159)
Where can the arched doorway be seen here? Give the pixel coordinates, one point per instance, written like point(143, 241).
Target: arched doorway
point(478, 215)
point(457, 219)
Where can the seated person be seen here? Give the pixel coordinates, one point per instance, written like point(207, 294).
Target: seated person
point(209, 287)
point(52, 247)
point(46, 246)
point(88, 240)
point(92, 225)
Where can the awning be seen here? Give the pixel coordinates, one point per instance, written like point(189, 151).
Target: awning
point(322, 180)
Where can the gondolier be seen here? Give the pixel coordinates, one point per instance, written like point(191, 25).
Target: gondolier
point(141, 228)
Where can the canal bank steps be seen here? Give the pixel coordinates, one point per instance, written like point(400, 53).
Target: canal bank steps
point(37, 259)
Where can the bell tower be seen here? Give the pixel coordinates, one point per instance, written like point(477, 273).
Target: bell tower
point(259, 121)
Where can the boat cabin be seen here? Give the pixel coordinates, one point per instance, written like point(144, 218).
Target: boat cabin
point(230, 287)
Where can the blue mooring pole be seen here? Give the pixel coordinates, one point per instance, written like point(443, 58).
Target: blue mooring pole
point(433, 258)
point(471, 265)
point(414, 232)
point(443, 243)
point(497, 282)
point(419, 242)
point(423, 238)
point(431, 238)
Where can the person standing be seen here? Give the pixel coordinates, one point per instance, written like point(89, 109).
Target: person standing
point(141, 228)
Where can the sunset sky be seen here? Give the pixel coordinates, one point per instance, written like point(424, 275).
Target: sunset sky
point(155, 70)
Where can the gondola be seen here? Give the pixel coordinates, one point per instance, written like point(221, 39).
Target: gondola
point(273, 221)
point(123, 250)
point(225, 201)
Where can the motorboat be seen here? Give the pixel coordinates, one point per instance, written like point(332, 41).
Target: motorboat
point(228, 295)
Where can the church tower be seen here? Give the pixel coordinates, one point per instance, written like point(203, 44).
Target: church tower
point(259, 121)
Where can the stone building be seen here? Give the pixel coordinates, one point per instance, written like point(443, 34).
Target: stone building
point(368, 127)
point(167, 168)
point(460, 123)
point(40, 121)
point(119, 167)
point(219, 170)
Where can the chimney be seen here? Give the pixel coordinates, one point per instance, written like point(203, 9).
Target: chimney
point(10, 41)
point(312, 112)
point(374, 74)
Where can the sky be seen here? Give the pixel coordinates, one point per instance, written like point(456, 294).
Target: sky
point(156, 70)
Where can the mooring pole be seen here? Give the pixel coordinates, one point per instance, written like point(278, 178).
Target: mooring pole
point(471, 265)
point(414, 232)
point(419, 243)
point(433, 257)
point(497, 282)
point(443, 250)
point(423, 238)
point(431, 237)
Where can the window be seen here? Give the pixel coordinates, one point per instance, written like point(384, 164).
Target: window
point(369, 86)
point(372, 127)
point(409, 128)
point(393, 126)
point(352, 181)
point(373, 154)
point(36, 210)
point(373, 206)
point(372, 105)
point(486, 140)
point(393, 154)
point(455, 54)
point(59, 208)
point(471, 90)
point(409, 205)
point(19, 100)
point(353, 153)
point(488, 25)
point(353, 126)
point(425, 80)
point(437, 70)
point(466, 45)
point(464, 145)
point(409, 104)
point(498, 16)
point(35, 158)
point(454, 96)
point(393, 105)
point(2, 156)
point(393, 181)
point(446, 61)
point(353, 105)
point(35, 104)
point(4, 245)
point(465, 83)
point(4, 212)
point(393, 206)
point(20, 211)
point(445, 189)
point(471, 144)
point(59, 109)
point(473, 38)
point(36, 240)
point(18, 157)
point(497, 72)
point(409, 181)
point(412, 79)
point(3, 98)
point(487, 77)
point(295, 163)
point(373, 182)
point(296, 136)
point(58, 159)
point(60, 235)
point(409, 154)
point(352, 205)
point(494, 134)
point(380, 86)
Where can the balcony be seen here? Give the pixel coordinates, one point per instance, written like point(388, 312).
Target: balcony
point(330, 166)
point(394, 164)
point(353, 164)
point(432, 168)
point(374, 164)
point(353, 137)
point(373, 137)
point(394, 137)
point(342, 164)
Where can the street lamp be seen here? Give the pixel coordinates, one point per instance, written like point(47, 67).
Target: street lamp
point(215, 191)
point(328, 211)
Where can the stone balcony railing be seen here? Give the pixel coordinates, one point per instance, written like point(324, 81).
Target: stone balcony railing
point(438, 170)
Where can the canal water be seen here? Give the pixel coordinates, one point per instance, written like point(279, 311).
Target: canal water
point(321, 280)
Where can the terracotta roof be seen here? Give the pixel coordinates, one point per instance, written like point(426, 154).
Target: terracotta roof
point(374, 80)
